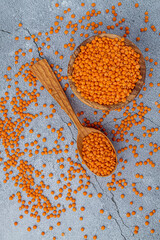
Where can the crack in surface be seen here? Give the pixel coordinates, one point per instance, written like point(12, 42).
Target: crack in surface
point(100, 188)
point(143, 117)
point(68, 127)
point(79, 160)
point(98, 183)
point(119, 228)
point(151, 121)
point(2, 30)
point(113, 200)
point(26, 29)
point(71, 133)
point(95, 188)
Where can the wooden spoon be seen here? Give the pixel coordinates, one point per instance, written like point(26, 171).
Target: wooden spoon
point(134, 92)
point(45, 75)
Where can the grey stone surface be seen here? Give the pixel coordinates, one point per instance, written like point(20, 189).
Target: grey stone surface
point(38, 16)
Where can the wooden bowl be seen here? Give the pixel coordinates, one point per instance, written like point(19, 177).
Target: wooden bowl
point(85, 131)
point(134, 92)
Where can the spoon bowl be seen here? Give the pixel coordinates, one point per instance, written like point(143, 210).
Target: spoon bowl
point(134, 92)
point(82, 134)
point(44, 73)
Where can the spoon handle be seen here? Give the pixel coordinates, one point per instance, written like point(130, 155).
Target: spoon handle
point(45, 75)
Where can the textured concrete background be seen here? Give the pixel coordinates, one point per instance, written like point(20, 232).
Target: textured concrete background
point(38, 16)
